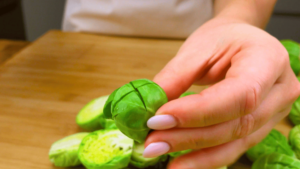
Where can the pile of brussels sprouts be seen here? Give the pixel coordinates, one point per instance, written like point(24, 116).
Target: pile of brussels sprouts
point(117, 126)
point(117, 129)
point(276, 151)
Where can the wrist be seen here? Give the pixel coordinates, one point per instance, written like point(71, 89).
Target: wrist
point(256, 12)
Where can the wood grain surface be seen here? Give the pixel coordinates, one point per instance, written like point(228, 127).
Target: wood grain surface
point(43, 87)
point(10, 47)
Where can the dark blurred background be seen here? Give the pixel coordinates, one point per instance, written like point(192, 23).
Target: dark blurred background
point(29, 19)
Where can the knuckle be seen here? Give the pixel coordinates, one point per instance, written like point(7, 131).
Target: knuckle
point(195, 143)
point(296, 92)
point(292, 92)
point(243, 126)
point(251, 98)
point(283, 58)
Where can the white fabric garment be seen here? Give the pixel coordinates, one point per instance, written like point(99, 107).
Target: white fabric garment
point(144, 18)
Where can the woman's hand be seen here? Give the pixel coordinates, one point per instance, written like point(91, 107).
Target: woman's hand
point(252, 88)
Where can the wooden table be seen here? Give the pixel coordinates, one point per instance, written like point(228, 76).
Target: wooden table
point(43, 87)
point(10, 47)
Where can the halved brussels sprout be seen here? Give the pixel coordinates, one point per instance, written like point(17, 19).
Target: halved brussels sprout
point(139, 161)
point(274, 142)
point(276, 160)
point(63, 153)
point(91, 116)
point(294, 138)
point(187, 93)
point(131, 105)
point(293, 49)
point(109, 149)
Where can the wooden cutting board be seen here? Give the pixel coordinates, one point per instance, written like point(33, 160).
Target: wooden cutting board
point(9, 47)
point(43, 87)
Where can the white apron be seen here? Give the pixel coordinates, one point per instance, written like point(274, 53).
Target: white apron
point(143, 18)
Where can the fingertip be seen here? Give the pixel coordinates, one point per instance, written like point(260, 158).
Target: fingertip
point(156, 149)
point(162, 122)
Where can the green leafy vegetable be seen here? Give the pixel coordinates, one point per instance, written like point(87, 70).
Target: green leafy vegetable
point(63, 153)
point(109, 149)
point(139, 161)
point(293, 49)
point(91, 116)
point(294, 114)
point(276, 161)
point(131, 105)
point(274, 142)
point(110, 124)
point(187, 93)
point(294, 138)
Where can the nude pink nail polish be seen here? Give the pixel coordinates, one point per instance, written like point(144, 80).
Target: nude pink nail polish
point(161, 122)
point(156, 149)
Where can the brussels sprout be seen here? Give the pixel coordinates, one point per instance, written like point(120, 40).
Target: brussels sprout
point(107, 106)
point(293, 49)
point(139, 161)
point(187, 93)
point(294, 114)
point(110, 124)
point(294, 138)
point(109, 149)
point(91, 116)
point(274, 142)
point(276, 160)
point(63, 153)
point(132, 105)
point(179, 153)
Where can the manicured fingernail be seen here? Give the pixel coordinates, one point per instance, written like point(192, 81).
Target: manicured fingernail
point(156, 149)
point(161, 122)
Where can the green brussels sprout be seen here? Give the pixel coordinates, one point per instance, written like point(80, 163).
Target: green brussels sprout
point(91, 116)
point(293, 49)
point(110, 124)
point(274, 142)
point(63, 153)
point(179, 153)
point(294, 114)
point(139, 161)
point(276, 161)
point(187, 93)
point(131, 105)
point(294, 138)
point(109, 149)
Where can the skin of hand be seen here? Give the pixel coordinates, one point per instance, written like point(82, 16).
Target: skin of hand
point(252, 87)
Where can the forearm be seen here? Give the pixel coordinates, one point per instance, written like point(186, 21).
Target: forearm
point(254, 12)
